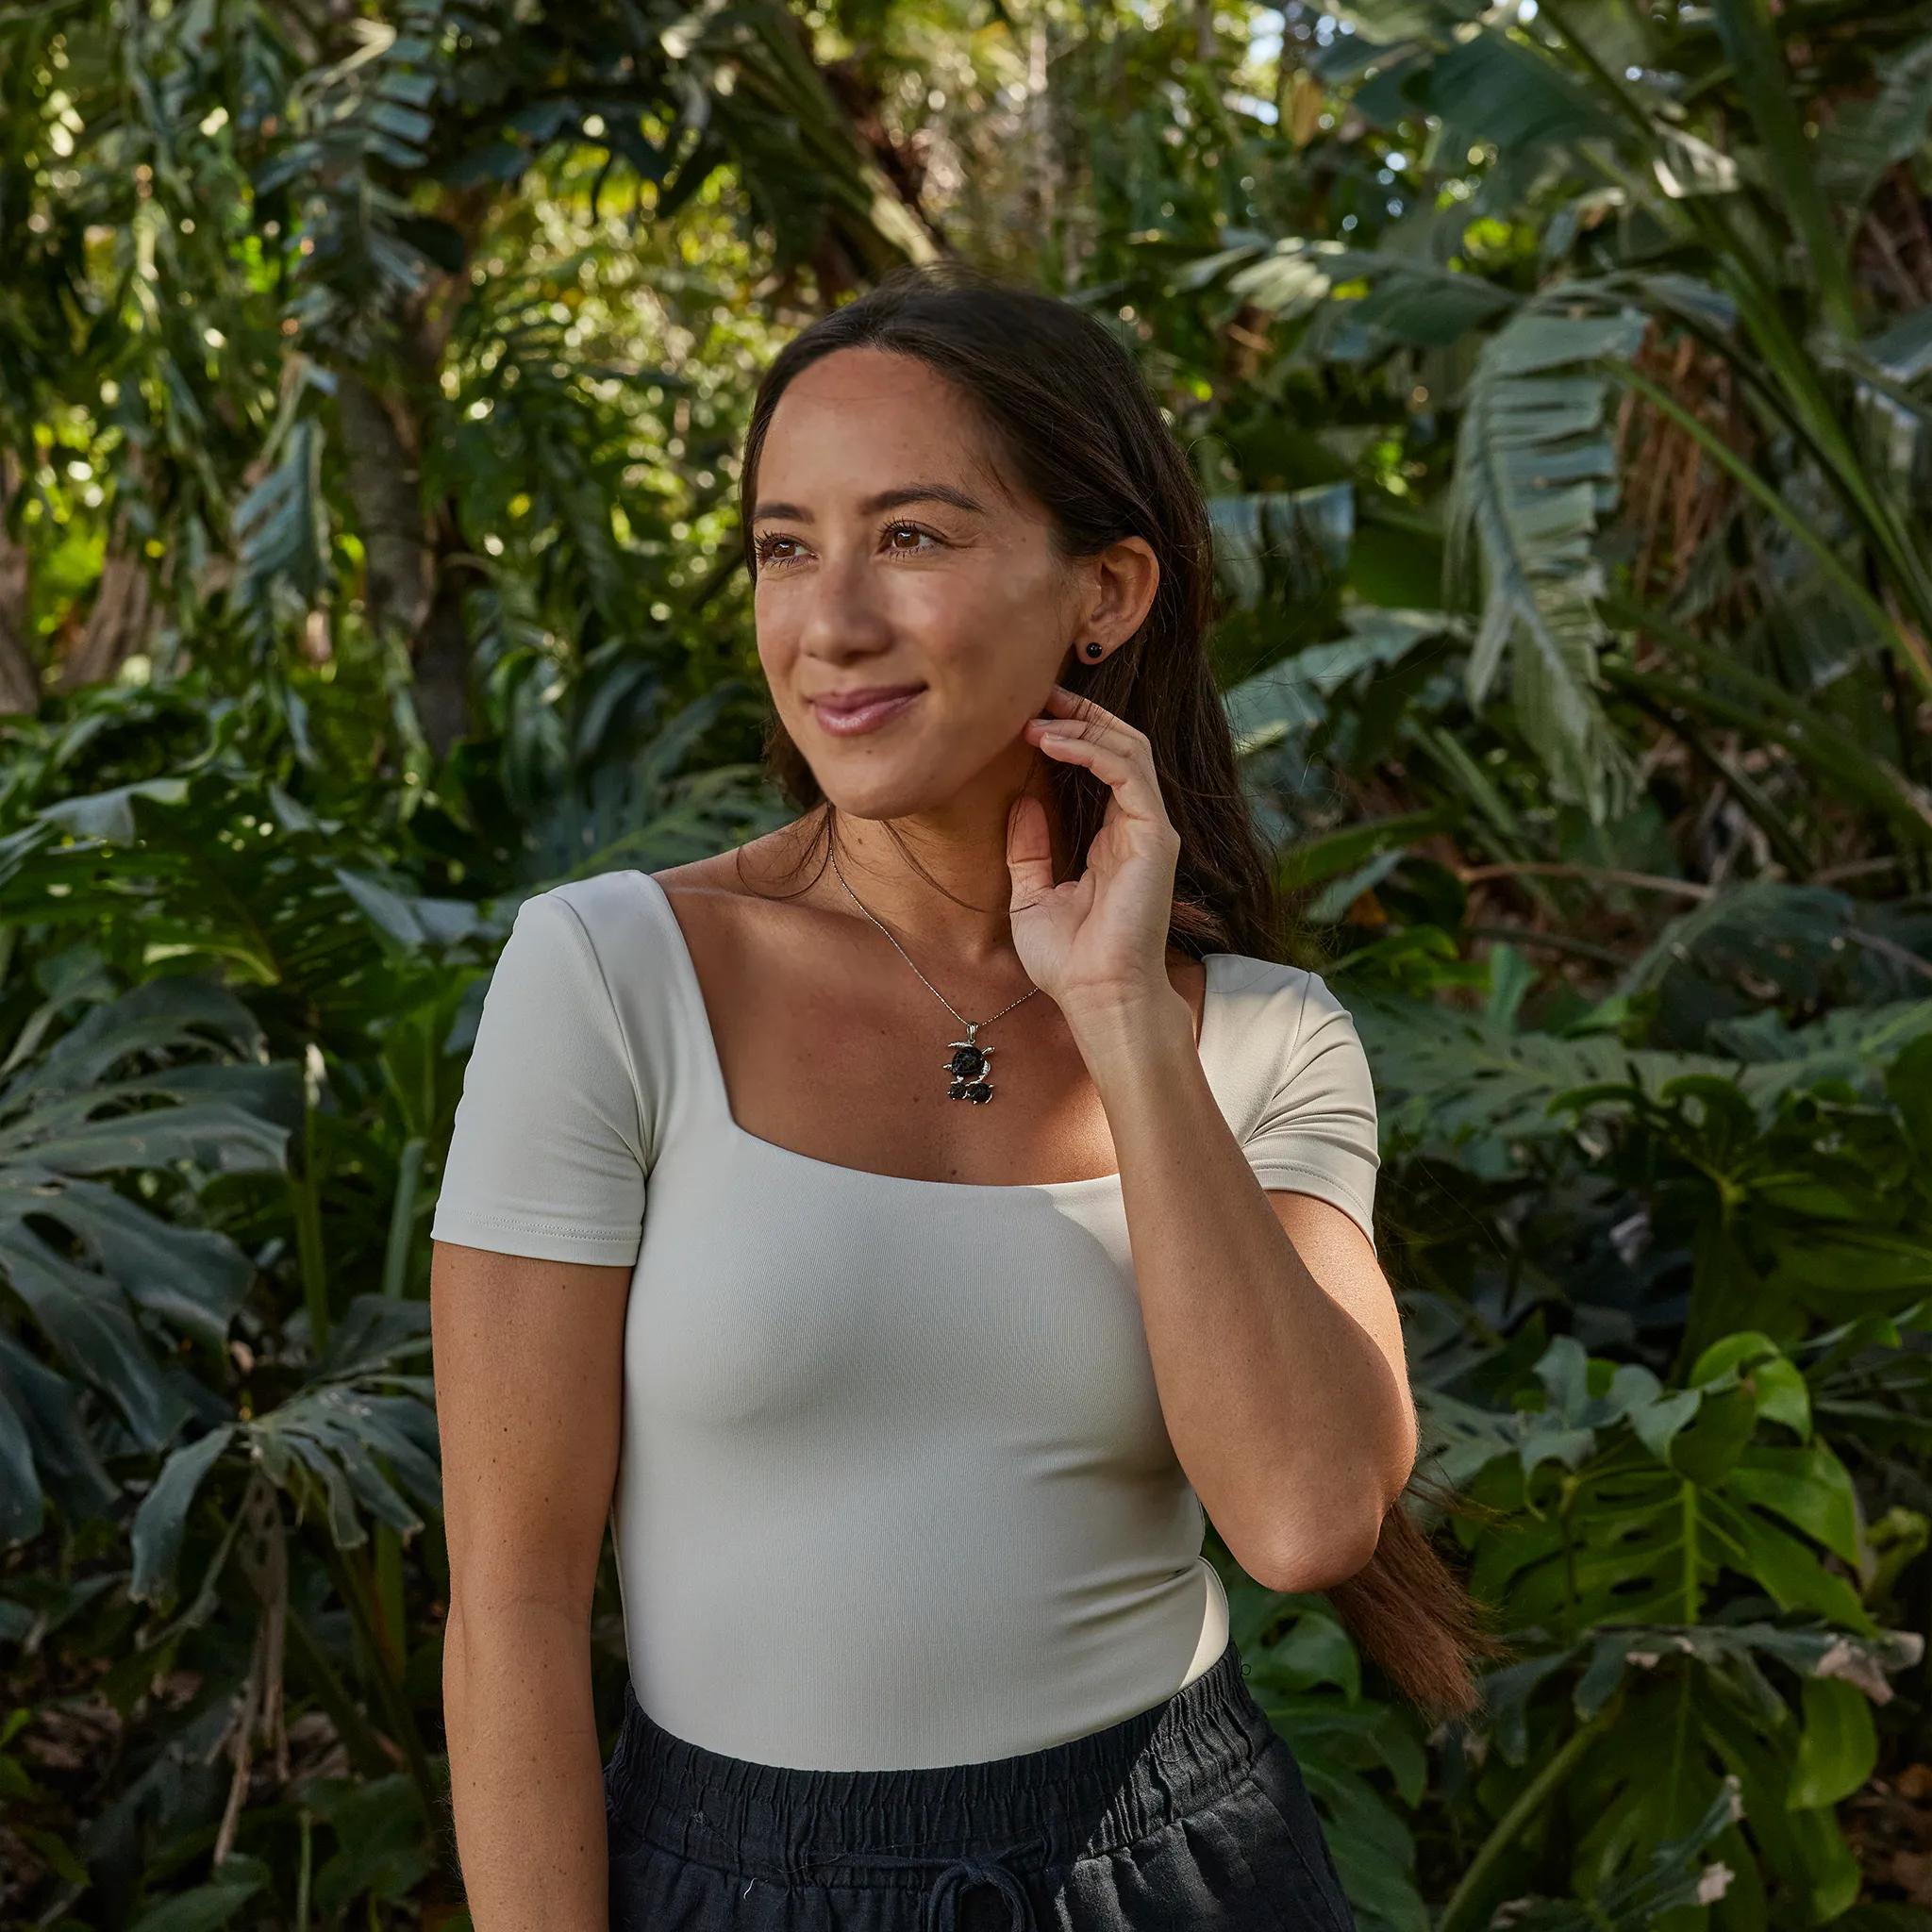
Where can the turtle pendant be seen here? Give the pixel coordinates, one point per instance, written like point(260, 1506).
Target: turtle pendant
point(969, 1068)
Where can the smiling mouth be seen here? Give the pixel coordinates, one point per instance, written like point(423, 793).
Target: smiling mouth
point(852, 713)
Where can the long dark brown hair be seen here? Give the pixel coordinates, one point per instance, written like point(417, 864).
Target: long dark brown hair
point(1086, 437)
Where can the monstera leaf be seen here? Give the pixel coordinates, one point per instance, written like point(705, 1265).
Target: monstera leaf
point(1678, 1874)
point(1662, 1492)
point(163, 1079)
point(1462, 1082)
point(234, 873)
point(1630, 1515)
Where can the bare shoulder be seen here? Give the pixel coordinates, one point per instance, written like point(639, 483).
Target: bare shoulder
point(747, 889)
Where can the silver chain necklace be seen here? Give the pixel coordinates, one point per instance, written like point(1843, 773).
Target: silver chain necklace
point(971, 1064)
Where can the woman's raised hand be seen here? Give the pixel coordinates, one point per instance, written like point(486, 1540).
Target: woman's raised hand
point(1097, 944)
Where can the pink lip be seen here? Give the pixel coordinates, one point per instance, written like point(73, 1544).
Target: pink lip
point(851, 713)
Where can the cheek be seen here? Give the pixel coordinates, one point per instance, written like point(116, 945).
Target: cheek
point(775, 628)
point(993, 630)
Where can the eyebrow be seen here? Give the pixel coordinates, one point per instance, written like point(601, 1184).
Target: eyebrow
point(886, 499)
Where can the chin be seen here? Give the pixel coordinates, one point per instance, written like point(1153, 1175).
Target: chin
point(864, 795)
point(907, 768)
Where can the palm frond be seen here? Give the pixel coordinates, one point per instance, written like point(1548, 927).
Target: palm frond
point(1535, 471)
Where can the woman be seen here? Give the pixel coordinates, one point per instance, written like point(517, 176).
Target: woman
point(895, 1226)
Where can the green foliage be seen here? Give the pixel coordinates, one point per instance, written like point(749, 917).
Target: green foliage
point(368, 396)
point(128, 1088)
point(237, 1025)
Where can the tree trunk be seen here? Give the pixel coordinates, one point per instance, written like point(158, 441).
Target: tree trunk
point(411, 592)
point(442, 647)
point(20, 676)
point(385, 486)
point(115, 627)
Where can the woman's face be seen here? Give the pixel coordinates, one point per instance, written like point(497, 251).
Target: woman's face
point(912, 609)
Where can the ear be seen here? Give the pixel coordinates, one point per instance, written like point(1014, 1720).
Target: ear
point(1124, 578)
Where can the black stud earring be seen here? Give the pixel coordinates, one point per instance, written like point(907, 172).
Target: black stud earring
point(1096, 649)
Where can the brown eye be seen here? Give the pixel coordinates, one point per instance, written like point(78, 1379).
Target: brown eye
point(905, 537)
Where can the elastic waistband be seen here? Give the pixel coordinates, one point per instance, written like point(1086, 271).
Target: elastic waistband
point(1096, 1794)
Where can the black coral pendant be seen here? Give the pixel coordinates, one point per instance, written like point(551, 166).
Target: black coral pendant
point(969, 1068)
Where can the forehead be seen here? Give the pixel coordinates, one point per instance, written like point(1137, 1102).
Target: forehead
point(860, 420)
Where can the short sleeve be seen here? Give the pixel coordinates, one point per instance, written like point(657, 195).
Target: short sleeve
point(548, 1154)
point(1295, 1086)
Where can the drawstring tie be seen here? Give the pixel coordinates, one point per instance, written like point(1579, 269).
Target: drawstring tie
point(962, 1877)
point(956, 1877)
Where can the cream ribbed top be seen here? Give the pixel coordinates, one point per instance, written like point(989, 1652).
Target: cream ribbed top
point(895, 1489)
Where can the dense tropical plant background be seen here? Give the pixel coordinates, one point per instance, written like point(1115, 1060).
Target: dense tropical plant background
point(370, 376)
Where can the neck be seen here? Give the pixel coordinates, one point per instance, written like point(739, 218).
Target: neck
point(938, 878)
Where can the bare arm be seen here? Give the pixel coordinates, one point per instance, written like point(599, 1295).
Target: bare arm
point(1277, 1342)
point(529, 1363)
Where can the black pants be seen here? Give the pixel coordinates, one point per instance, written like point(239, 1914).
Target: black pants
point(1189, 1817)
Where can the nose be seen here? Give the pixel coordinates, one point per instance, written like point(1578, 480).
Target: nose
point(844, 618)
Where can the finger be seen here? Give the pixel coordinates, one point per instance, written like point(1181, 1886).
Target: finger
point(1130, 777)
point(1093, 721)
point(1101, 727)
point(1063, 703)
point(1029, 852)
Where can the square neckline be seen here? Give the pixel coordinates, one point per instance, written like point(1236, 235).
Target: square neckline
point(693, 988)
